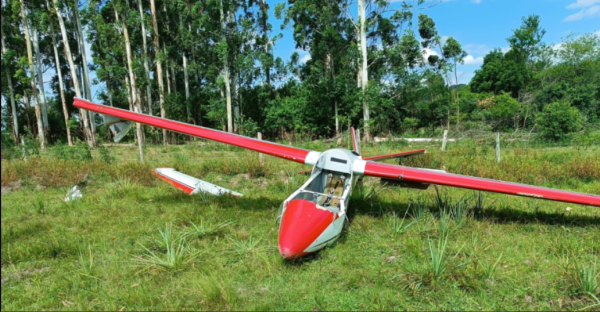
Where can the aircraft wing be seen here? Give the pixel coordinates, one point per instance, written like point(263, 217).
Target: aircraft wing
point(396, 155)
point(287, 152)
point(408, 174)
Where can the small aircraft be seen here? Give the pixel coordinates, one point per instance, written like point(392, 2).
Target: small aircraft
point(313, 216)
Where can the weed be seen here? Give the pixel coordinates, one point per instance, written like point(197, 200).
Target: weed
point(86, 261)
point(583, 278)
point(39, 205)
point(204, 229)
point(439, 259)
point(397, 224)
point(176, 253)
point(490, 270)
point(249, 247)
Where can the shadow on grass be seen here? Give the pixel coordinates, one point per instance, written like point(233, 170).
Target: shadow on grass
point(502, 214)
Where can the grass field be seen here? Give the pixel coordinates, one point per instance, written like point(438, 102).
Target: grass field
point(134, 243)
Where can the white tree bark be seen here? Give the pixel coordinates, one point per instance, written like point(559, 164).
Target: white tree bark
point(91, 139)
point(86, 71)
point(159, 73)
point(186, 79)
point(226, 71)
point(11, 90)
point(40, 79)
point(38, 109)
point(364, 77)
point(60, 84)
point(134, 94)
point(146, 67)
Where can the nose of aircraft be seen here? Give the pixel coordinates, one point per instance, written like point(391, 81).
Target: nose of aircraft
point(302, 223)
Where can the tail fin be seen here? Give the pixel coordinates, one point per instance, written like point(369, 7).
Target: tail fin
point(356, 140)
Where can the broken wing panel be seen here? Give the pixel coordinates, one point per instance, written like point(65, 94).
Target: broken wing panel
point(283, 151)
point(191, 185)
point(380, 170)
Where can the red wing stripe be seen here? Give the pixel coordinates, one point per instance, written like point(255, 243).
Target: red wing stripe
point(397, 155)
point(287, 152)
point(419, 175)
point(176, 184)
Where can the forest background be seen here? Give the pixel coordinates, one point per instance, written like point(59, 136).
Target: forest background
point(382, 66)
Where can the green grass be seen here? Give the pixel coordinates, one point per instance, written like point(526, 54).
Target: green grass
point(133, 242)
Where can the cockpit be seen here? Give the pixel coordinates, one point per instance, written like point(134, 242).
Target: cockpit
point(330, 183)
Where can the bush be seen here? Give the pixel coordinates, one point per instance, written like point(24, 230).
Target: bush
point(558, 120)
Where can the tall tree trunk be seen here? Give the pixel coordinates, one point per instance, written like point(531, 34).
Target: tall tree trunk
point(86, 127)
point(159, 73)
point(146, 67)
point(38, 109)
point(61, 85)
point(134, 93)
point(40, 79)
point(11, 90)
point(186, 79)
point(86, 72)
point(265, 11)
point(167, 70)
point(364, 77)
point(234, 83)
point(226, 71)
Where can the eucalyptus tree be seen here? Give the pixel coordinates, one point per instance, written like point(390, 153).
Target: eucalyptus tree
point(8, 57)
point(159, 72)
point(32, 72)
point(122, 16)
point(88, 134)
point(49, 22)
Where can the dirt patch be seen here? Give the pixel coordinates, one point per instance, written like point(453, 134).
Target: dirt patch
point(238, 178)
point(17, 276)
point(11, 187)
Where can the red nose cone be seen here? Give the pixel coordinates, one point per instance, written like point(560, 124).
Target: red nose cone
point(301, 225)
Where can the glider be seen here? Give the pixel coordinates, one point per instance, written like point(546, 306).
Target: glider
point(313, 216)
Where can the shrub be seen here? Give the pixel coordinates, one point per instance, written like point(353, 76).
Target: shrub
point(558, 120)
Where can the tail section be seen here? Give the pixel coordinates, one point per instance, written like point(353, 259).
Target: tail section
point(356, 140)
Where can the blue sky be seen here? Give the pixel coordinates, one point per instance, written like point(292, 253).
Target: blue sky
point(482, 25)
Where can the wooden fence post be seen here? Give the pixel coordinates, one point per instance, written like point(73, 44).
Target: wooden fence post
point(498, 147)
point(444, 140)
point(260, 155)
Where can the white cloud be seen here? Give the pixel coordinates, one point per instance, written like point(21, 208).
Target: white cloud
point(470, 60)
point(598, 33)
point(585, 13)
point(427, 52)
point(476, 49)
point(476, 1)
point(582, 4)
point(304, 59)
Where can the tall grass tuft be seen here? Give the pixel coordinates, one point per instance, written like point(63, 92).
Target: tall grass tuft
point(174, 254)
point(86, 261)
point(583, 278)
point(490, 270)
point(204, 229)
point(439, 259)
point(397, 224)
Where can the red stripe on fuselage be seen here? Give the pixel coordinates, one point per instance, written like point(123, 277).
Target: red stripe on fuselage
point(301, 225)
point(176, 184)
